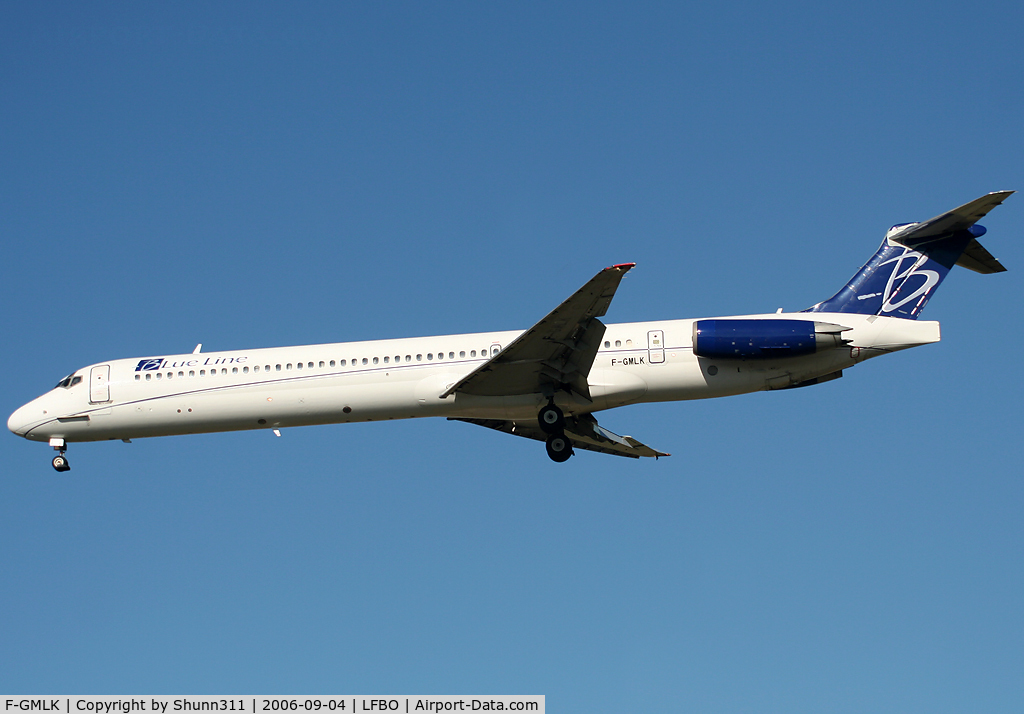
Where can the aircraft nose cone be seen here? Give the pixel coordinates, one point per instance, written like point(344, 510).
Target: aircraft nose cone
point(18, 421)
point(27, 417)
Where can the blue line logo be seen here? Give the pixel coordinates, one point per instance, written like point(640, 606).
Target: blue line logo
point(149, 365)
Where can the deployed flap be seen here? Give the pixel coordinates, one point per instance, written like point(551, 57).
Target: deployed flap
point(556, 353)
point(918, 236)
point(584, 433)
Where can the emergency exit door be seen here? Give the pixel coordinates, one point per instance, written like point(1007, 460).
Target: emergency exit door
point(99, 384)
point(656, 346)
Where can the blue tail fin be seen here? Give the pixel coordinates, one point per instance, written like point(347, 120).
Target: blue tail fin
point(897, 281)
point(913, 260)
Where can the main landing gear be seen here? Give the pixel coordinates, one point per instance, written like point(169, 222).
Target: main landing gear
point(552, 423)
point(551, 419)
point(60, 461)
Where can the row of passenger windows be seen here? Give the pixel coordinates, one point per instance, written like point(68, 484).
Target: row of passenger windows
point(430, 357)
point(618, 343)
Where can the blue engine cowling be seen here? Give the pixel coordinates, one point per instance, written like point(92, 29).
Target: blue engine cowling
point(763, 339)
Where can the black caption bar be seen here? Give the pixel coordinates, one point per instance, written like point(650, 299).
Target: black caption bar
point(343, 704)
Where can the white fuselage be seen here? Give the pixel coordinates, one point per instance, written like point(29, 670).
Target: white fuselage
point(405, 378)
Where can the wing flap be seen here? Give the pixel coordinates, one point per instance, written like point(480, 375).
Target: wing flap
point(584, 432)
point(588, 432)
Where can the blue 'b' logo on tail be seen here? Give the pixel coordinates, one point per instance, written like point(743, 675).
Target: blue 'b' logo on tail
point(905, 286)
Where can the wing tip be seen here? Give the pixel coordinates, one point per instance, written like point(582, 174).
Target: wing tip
point(622, 266)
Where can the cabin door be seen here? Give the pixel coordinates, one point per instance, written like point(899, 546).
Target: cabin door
point(99, 384)
point(656, 346)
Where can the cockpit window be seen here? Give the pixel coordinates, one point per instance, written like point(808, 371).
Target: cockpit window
point(69, 381)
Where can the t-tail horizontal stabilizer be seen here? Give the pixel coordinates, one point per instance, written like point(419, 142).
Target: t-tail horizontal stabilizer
point(914, 259)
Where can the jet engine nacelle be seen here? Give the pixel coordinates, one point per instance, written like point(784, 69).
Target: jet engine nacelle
point(764, 338)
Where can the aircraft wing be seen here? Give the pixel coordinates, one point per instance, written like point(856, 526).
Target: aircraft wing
point(556, 353)
point(584, 432)
point(975, 257)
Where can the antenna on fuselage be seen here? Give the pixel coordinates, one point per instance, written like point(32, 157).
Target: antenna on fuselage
point(198, 349)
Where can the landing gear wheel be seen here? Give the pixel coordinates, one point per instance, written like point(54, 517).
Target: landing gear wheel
point(559, 448)
point(551, 419)
point(60, 463)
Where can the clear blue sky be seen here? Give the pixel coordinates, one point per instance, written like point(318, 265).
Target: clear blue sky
point(248, 175)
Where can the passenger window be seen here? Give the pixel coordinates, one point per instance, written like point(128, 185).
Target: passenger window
point(277, 367)
point(191, 373)
point(299, 365)
point(472, 353)
point(419, 358)
point(288, 366)
point(462, 353)
point(181, 374)
point(408, 358)
point(138, 377)
point(256, 368)
point(170, 375)
point(342, 363)
point(451, 355)
point(386, 358)
point(364, 360)
point(159, 375)
point(618, 343)
point(376, 360)
point(202, 373)
point(225, 371)
point(607, 344)
point(332, 362)
point(234, 370)
point(245, 370)
point(321, 363)
point(310, 365)
point(430, 355)
point(629, 343)
point(148, 377)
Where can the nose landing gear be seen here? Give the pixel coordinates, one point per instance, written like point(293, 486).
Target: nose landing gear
point(60, 461)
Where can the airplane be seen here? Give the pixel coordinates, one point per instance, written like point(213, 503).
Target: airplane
point(545, 383)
